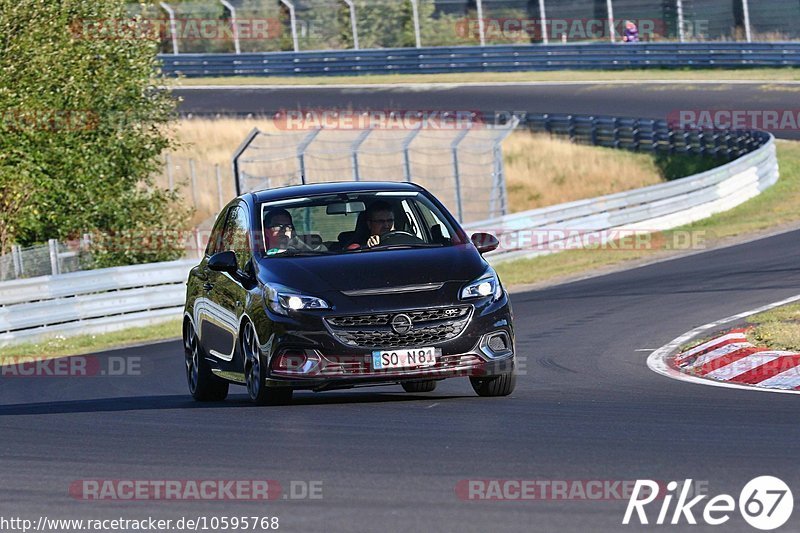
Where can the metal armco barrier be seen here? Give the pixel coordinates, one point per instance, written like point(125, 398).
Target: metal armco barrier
point(655, 208)
point(485, 59)
point(93, 301)
point(104, 300)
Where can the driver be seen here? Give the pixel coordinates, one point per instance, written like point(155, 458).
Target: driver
point(380, 221)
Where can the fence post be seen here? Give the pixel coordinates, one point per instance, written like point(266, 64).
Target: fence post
point(301, 153)
point(52, 244)
point(292, 23)
point(681, 22)
point(481, 26)
point(747, 29)
point(353, 23)
point(543, 16)
point(354, 151)
point(415, 11)
point(610, 9)
point(406, 144)
point(173, 27)
point(234, 25)
point(170, 179)
point(16, 258)
point(235, 159)
point(456, 172)
point(219, 187)
point(193, 174)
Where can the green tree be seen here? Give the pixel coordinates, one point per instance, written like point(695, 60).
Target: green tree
point(83, 126)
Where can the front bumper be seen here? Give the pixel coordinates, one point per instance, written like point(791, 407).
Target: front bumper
point(326, 363)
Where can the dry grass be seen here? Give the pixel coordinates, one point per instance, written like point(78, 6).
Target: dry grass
point(778, 329)
point(543, 171)
point(540, 170)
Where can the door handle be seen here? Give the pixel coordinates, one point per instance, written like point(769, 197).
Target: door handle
point(208, 286)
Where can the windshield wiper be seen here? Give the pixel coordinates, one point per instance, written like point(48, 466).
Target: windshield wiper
point(400, 246)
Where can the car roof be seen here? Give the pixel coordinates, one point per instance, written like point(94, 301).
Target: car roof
point(315, 189)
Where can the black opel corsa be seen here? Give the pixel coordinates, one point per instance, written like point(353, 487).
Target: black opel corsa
point(338, 285)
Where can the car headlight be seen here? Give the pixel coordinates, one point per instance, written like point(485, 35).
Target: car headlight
point(282, 299)
point(486, 285)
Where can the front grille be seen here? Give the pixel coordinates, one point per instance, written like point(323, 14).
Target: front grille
point(430, 326)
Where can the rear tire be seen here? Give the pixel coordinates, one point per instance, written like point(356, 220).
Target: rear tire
point(419, 386)
point(501, 385)
point(256, 373)
point(204, 386)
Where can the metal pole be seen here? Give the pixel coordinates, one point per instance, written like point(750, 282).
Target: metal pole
point(747, 29)
point(610, 9)
point(406, 158)
point(235, 159)
point(456, 171)
point(543, 16)
point(16, 258)
point(353, 24)
point(481, 27)
point(415, 10)
point(193, 174)
point(681, 22)
point(53, 246)
point(234, 25)
point(354, 151)
point(293, 23)
point(301, 153)
point(170, 179)
point(173, 26)
point(219, 186)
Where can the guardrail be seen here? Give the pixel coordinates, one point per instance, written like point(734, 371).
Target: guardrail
point(485, 59)
point(93, 301)
point(111, 299)
point(654, 208)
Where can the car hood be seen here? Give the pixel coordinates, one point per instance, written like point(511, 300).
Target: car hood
point(374, 270)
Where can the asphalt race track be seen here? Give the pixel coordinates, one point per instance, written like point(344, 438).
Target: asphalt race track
point(585, 408)
point(655, 101)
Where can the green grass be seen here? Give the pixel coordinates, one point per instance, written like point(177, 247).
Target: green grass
point(776, 207)
point(777, 329)
point(761, 74)
point(59, 346)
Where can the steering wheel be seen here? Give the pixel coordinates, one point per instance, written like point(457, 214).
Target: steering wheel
point(400, 237)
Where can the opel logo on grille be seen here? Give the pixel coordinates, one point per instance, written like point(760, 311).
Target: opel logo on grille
point(401, 324)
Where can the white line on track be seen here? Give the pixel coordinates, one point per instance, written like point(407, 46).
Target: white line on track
point(657, 361)
point(454, 85)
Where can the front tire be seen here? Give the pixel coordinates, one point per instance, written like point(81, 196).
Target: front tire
point(419, 386)
point(256, 373)
point(501, 385)
point(204, 386)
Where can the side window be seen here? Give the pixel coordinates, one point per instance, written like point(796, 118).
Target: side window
point(240, 231)
point(215, 240)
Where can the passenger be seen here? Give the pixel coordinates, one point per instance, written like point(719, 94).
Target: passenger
point(281, 234)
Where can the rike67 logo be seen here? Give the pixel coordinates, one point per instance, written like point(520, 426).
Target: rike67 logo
point(766, 503)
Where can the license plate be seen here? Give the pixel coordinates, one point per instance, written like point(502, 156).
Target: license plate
point(414, 358)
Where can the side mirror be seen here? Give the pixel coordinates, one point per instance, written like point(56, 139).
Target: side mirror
point(224, 262)
point(484, 242)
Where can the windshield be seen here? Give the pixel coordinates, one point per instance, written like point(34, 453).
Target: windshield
point(353, 223)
